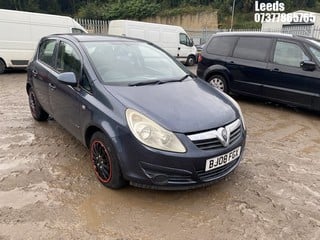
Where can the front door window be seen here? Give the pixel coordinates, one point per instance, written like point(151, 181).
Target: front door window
point(289, 54)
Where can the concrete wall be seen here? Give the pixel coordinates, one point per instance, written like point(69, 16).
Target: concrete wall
point(191, 22)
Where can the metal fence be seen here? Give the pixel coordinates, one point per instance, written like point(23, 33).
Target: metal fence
point(94, 26)
point(201, 36)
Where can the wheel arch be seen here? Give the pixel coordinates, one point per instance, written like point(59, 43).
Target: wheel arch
point(89, 133)
point(218, 69)
point(28, 86)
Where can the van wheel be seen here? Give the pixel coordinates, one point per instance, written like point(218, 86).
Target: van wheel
point(105, 162)
point(2, 66)
point(36, 110)
point(219, 82)
point(191, 60)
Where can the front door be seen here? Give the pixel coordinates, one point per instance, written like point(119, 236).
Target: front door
point(287, 80)
point(185, 47)
point(64, 99)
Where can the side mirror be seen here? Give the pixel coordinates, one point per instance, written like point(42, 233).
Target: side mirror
point(68, 78)
point(191, 42)
point(307, 65)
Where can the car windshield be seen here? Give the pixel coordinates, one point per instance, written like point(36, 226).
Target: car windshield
point(127, 63)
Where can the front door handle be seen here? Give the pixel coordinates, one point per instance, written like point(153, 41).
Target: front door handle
point(52, 86)
point(275, 70)
point(34, 72)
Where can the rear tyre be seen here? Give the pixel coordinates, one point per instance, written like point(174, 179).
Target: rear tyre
point(2, 66)
point(105, 162)
point(36, 110)
point(191, 60)
point(219, 82)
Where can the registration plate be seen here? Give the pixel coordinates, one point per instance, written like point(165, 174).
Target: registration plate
point(222, 160)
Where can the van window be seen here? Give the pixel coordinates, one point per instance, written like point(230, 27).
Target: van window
point(221, 45)
point(184, 39)
point(46, 52)
point(68, 59)
point(289, 54)
point(77, 31)
point(252, 48)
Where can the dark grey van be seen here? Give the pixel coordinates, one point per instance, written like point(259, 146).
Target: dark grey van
point(279, 67)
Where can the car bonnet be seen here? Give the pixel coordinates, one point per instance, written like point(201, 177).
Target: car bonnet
point(184, 107)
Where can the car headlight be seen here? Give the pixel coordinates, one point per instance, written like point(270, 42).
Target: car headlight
point(239, 109)
point(151, 134)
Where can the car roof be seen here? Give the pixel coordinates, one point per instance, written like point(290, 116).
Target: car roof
point(266, 34)
point(92, 38)
point(260, 34)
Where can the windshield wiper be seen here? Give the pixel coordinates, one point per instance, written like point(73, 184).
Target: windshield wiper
point(177, 80)
point(142, 83)
point(155, 82)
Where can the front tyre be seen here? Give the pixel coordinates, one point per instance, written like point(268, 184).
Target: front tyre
point(2, 66)
point(105, 162)
point(219, 82)
point(36, 110)
point(191, 60)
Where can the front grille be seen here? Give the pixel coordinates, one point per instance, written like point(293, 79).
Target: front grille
point(210, 140)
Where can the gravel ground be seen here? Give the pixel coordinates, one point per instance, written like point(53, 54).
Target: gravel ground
point(48, 189)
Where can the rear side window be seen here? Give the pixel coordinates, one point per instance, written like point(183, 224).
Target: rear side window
point(252, 48)
point(221, 45)
point(46, 52)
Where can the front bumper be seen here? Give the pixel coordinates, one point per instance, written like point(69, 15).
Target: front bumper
point(146, 167)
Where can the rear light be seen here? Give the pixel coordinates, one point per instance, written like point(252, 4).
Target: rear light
point(199, 58)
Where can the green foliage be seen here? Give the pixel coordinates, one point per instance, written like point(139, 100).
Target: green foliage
point(130, 9)
point(185, 10)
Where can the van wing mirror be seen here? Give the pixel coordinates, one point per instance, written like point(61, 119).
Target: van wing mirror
point(191, 42)
point(307, 65)
point(68, 78)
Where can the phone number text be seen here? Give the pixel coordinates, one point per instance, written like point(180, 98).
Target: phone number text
point(284, 17)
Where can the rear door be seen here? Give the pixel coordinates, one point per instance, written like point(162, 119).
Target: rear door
point(287, 81)
point(248, 64)
point(41, 71)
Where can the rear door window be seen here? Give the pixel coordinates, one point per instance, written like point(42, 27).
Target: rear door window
point(221, 45)
point(290, 54)
point(253, 48)
point(47, 52)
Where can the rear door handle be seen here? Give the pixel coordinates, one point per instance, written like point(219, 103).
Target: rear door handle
point(275, 70)
point(52, 86)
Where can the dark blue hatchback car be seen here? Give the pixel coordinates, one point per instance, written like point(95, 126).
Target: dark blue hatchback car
point(146, 119)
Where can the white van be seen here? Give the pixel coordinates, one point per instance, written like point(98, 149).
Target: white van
point(20, 33)
point(173, 39)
